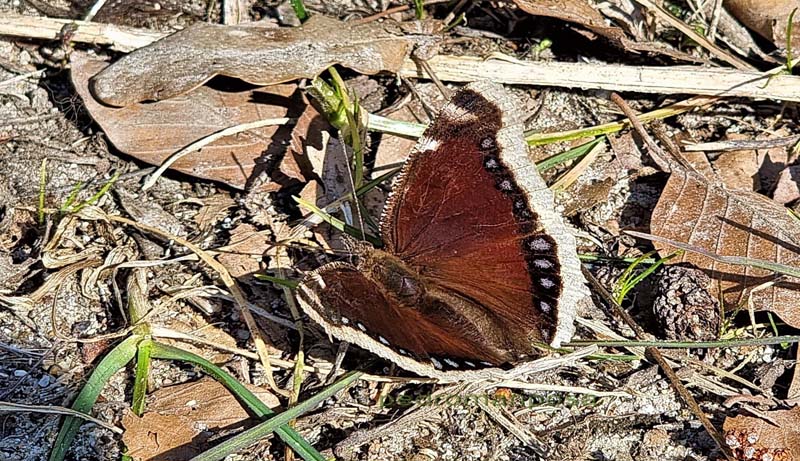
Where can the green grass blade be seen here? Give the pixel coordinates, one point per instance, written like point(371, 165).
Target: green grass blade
point(299, 10)
point(287, 434)
point(94, 198)
point(110, 364)
point(140, 378)
point(574, 153)
point(42, 189)
point(253, 434)
point(622, 286)
point(628, 281)
point(71, 197)
point(290, 284)
point(419, 9)
point(337, 223)
point(650, 269)
point(356, 141)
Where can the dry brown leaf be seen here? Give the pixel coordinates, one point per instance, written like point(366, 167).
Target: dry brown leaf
point(575, 11)
point(582, 13)
point(754, 438)
point(161, 437)
point(152, 132)
point(206, 402)
point(698, 212)
point(254, 52)
point(738, 170)
point(788, 187)
point(245, 249)
point(307, 139)
point(626, 151)
point(773, 160)
point(767, 17)
point(699, 161)
point(753, 169)
point(195, 324)
point(183, 417)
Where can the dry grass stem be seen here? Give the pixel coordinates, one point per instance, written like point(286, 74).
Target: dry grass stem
point(56, 410)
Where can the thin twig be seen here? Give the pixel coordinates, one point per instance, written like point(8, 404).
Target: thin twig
point(94, 10)
point(742, 144)
point(771, 340)
point(35, 73)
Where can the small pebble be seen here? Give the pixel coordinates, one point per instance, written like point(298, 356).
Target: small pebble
point(767, 356)
point(44, 381)
point(20, 373)
point(242, 334)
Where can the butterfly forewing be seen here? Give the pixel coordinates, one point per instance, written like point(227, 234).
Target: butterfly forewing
point(460, 216)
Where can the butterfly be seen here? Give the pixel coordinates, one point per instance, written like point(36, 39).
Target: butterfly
point(477, 268)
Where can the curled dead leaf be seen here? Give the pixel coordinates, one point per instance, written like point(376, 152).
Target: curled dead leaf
point(254, 52)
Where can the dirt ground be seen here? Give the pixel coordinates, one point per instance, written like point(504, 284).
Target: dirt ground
point(63, 295)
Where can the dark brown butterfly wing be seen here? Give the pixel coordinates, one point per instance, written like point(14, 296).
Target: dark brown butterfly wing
point(421, 338)
point(471, 214)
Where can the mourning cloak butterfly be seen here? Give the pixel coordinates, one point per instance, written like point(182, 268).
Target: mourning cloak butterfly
point(477, 266)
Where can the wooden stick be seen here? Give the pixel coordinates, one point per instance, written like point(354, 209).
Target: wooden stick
point(118, 38)
point(706, 81)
